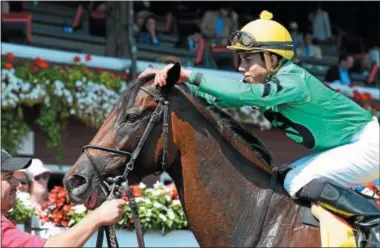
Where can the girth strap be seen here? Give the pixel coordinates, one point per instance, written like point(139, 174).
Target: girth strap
point(268, 197)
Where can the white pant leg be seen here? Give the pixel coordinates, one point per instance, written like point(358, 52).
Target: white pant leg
point(348, 165)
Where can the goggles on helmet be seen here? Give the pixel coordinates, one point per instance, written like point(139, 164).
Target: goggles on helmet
point(245, 40)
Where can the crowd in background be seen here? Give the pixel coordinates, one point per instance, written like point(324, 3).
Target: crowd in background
point(210, 25)
point(215, 26)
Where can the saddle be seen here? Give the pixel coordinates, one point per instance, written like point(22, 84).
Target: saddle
point(335, 231)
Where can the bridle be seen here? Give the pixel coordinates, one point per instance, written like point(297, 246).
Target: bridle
point(111, 185)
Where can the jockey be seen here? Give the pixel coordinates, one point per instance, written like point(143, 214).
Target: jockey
point(343, 136)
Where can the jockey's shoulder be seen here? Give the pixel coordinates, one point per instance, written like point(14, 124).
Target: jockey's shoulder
point(289, 69)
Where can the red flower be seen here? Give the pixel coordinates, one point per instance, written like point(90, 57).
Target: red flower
point(352, 85)
point(136, 191)
point(55, 189)
point(86, 70)
point(64, 223)
point(124, 76)
point(88, 57)
point(366, 96)
point(112, 75)
point(66, 208)
point(100, 70)
point(10, 56)
point(76, 59)
point(62, 194)
point(33, 69)
point(8, 65)
point(37, 60)
point(43, 64)
point(174, 192)
point(377, 107)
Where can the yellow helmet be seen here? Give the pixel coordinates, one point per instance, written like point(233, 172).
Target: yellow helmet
point(263, 35)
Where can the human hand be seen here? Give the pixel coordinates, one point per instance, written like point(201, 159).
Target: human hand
point(109, 212)
point(161, 75)
point(160, 78)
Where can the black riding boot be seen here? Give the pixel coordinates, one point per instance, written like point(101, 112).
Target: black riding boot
point(346, 203)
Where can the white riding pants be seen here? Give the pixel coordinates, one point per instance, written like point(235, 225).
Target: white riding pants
point(348, 165)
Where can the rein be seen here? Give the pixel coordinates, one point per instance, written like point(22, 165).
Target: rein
point(112, 186)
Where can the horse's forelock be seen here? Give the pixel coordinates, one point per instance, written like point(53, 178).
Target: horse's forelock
point(128, 97)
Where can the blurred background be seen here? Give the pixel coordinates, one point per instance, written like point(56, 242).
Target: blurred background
point(62, 62)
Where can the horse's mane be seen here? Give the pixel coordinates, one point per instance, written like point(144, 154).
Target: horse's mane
point(221, 119)
point(225, 123)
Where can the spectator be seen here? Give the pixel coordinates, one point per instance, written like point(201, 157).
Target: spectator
point(41, 175)
point(374, 55)
point(148, 34)
point(218, 25)
point(107, 214)
point(140, 18)
point(308, 49)
point(5, 7)
point(296, 35)
point(321, 24)
point(25, 179)
point(341, 72)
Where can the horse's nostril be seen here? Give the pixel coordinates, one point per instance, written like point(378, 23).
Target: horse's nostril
point(75, 181)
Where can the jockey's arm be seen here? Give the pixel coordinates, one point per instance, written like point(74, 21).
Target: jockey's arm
point(211, 99)
point(281, 89)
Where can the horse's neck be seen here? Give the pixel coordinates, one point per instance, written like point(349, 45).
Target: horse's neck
point(222, 192)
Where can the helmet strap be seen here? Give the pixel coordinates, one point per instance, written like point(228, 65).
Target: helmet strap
point(268, 62)
point(269, 65)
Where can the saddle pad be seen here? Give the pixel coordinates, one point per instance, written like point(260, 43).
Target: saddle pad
point(335, 232)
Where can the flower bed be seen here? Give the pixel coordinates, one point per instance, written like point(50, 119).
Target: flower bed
point(159, 209)
point(60, 91)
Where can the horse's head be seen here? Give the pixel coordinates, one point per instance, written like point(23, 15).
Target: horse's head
point(115, 147)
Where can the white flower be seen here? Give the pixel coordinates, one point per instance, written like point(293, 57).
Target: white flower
point(25, 199)
point(171, 214)
point(157, 192)
point(162, 217)
point(147, 200)
point(157, 185)
point(149, 213)
point(176, 202)
point(142, 185)
point(79, 209)
point(158, 205)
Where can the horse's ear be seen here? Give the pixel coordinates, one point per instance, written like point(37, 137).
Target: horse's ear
point(172, 78)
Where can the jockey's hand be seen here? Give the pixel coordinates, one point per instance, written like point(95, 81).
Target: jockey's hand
point(109, 212)
point(161, 75)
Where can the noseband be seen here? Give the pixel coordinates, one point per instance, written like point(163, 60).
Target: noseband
point(111, 185)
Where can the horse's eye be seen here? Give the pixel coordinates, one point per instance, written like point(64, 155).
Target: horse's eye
point(131, 118)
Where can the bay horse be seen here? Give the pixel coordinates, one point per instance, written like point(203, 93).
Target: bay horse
point(221, 170)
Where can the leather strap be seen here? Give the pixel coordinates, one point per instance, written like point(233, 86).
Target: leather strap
point(265, 206)
point(99, 239)
point(136, 218)
point(268, 62)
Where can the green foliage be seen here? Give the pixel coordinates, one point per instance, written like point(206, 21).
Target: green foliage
point(55, 88)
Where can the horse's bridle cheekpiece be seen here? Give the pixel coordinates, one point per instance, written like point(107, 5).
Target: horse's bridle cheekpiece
point(111, 185)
